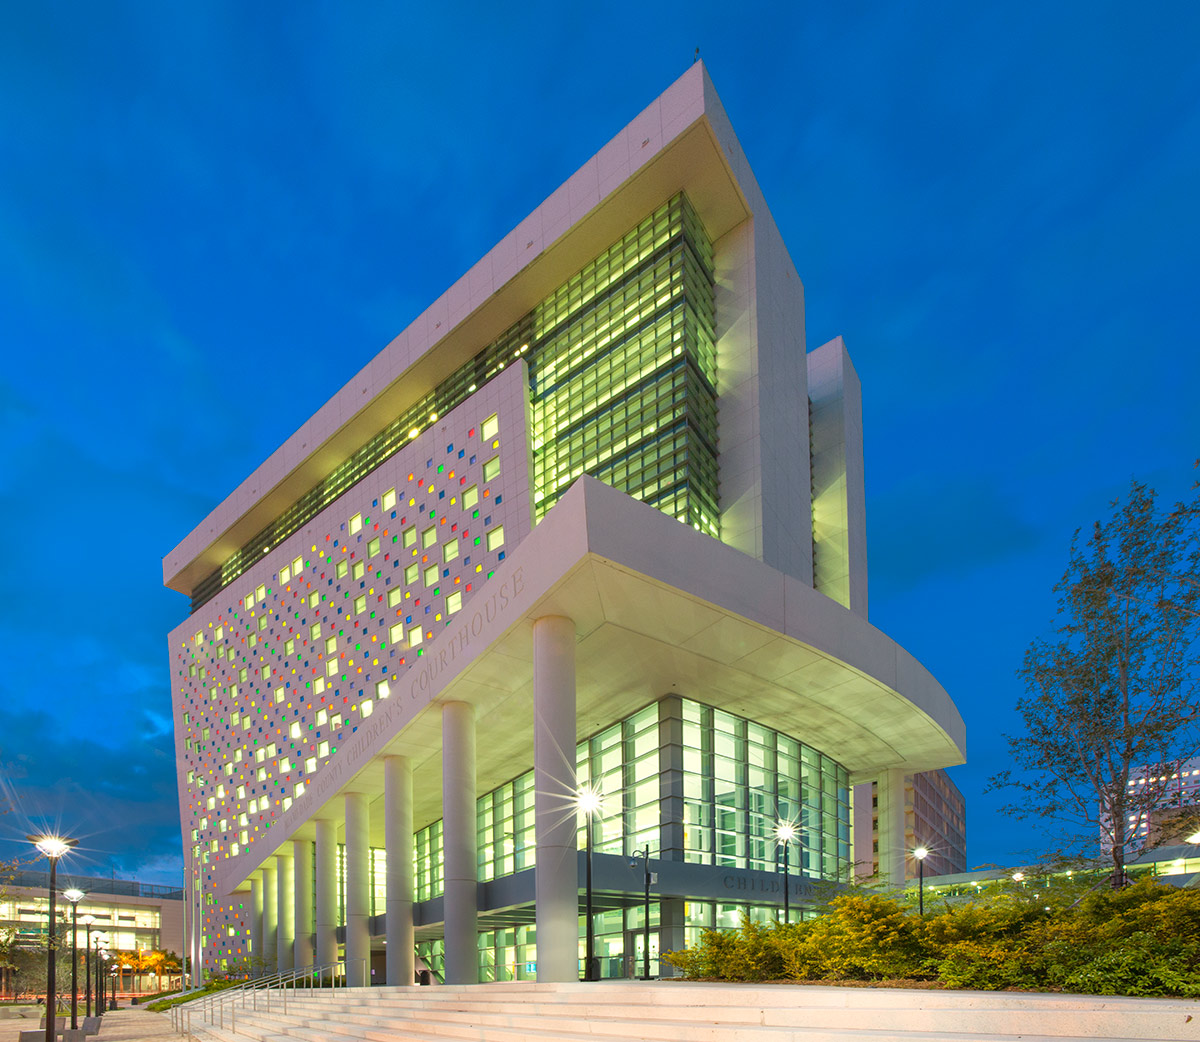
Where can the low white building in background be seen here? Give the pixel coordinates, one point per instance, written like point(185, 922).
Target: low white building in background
point(594, 519)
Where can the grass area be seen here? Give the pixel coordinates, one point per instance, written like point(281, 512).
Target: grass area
point(176, 998)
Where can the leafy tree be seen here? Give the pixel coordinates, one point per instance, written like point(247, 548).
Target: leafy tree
point(1112, 695)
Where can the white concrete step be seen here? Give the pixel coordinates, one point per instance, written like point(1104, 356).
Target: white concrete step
point(666, 1012)
point(907, 1010)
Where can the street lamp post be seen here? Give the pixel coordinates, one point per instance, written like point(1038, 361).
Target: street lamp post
point(921, 853)
point(645, 856)
point(588, 801)
point(74, 896)
point(101, 985)
point(785, 832)
point(87, 963)
point(52, 848)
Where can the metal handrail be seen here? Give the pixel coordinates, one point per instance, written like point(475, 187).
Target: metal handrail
point(212, 1007)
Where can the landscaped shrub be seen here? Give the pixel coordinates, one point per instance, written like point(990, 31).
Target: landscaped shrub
point(1143, 940)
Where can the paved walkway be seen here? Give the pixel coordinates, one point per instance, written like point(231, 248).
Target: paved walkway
point(120, 1025)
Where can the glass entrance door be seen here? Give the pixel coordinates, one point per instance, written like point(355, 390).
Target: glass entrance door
point(635, 947)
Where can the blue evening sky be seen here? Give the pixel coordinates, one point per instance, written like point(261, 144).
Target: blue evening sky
point(213, 214)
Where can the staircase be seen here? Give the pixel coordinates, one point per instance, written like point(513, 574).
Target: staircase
point(630, 1011)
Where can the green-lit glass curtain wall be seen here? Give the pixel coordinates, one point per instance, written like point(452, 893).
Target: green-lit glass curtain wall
point(622, 370)
point(740, 779)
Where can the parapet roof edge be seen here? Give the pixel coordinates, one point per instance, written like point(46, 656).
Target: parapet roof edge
point(682, 140)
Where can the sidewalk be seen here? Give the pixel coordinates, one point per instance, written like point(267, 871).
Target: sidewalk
point(120, 1025)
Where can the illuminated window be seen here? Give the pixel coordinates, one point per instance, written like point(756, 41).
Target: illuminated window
point(319, 685)
point(491, 468)
point(360, 605)
point(428, 538)
point(357, 571)
point(414, 636)
point(314, 631)
point(395, 596)
point(285, 574)
point(356, 524)
point(470, 497)
point(323, 749)
point(450, 550)
point(431, 575)
point(373, 547)
point(343, 566)
point(495, 537)
point(367, 708)
point(262, 622)
point(260, 592)
point(382, 690)
point(410, 536)
point(389, 499)
point(396, 633)
point(313, 600)
point(489, 427)
point(290, 647)
point(297, 567)
point(330, 645)
point(411, 573)
point(266, 672)
point(331, 667)
point(454, 602)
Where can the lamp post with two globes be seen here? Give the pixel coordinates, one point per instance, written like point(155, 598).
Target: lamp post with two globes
point(74, 896)
point(921, 853)
point(51, 848)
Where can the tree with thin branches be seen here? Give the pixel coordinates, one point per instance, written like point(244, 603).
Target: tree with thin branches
point(1111, 696)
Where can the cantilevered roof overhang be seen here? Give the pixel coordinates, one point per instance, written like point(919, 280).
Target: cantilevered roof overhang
point(659, 609)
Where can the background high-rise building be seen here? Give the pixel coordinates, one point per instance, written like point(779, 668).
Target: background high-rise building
point(935, 817)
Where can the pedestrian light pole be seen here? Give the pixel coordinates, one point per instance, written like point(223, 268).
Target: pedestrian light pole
point(589, 800)
point(921, 853)
point(74, 896)
point(87, 921)
point(785, 832)
point(645, 856)
point(51, 848)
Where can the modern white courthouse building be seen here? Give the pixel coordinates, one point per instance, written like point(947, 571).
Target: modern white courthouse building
point(594, 520)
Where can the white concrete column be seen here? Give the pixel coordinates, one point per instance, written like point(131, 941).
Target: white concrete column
point(890, 813)
point(358, 896)
point(460, 871)
point(270, 913)
point(398, 829)
point(256, 921)
point(327, 889)
point(302, 952)
point(556, 874)
point(285, 928)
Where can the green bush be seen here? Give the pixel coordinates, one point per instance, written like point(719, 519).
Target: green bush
point(1143, 940)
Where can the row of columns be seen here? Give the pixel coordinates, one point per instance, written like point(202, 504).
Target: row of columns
point(287, 932)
